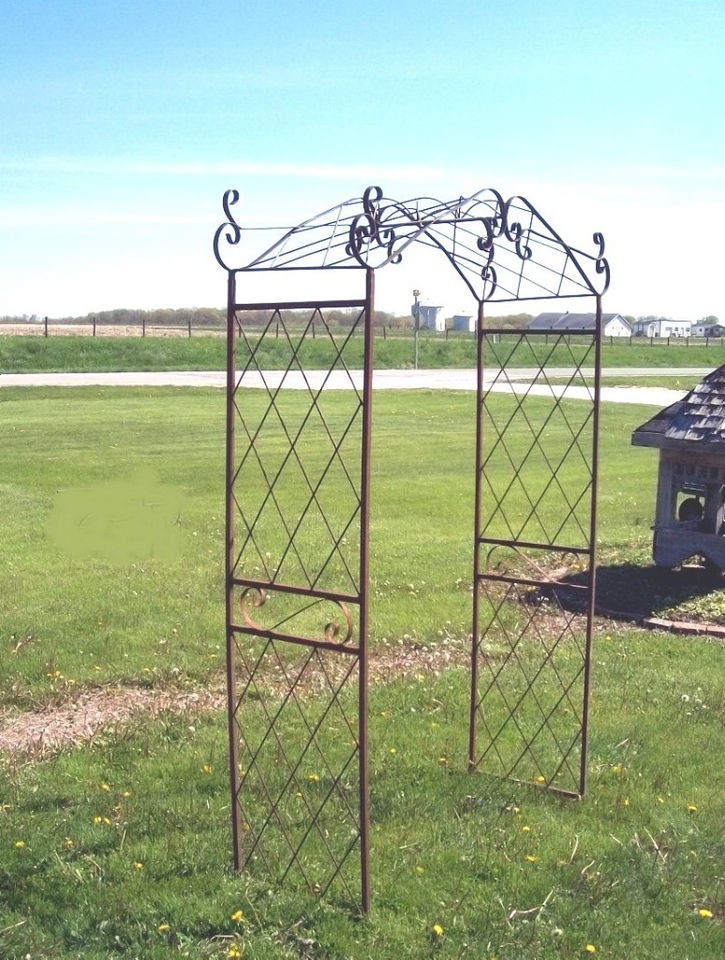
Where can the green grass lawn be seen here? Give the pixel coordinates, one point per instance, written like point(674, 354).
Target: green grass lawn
point(121, 847)
point(74, 353)
point(154, 613)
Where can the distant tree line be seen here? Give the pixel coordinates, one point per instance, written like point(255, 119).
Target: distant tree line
point(214, 318)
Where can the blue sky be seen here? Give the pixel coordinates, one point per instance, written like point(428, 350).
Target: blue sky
point(123, 124)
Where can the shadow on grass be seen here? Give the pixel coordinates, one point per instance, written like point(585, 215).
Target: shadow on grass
point(639, 592)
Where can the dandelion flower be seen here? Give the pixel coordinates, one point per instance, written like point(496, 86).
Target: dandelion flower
point(437, 930)
point(443, 761)
point(540, 779)
point(616, 768)
point(98, 820)
point(138, 866)
point(235, 951)
point(590, 948)
point(526, 829)
point(314, 778)
point(163, 928)
point(19, 844)
point(392, 751)
point(705, 914)
point(691, 808)
point(420, 869)
point(532, 858)
point(236, 916)
point(207, 768)
point(105, 788)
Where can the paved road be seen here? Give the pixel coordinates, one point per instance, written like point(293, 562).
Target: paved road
point(444, 379)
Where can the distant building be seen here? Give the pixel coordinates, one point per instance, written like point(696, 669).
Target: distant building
point(708, 330)
point(429, 317)
point(613, 324)
point(662, 327)
point(464, 322)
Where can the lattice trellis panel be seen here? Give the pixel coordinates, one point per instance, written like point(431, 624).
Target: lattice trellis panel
point(298, 519)
point(536, 495)
point(297, 554)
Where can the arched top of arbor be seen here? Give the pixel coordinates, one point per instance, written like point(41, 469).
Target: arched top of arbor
point(503, 250)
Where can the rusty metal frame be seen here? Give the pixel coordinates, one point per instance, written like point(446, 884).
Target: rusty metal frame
point(287, 817)
point(297, 809)
point(530, 678)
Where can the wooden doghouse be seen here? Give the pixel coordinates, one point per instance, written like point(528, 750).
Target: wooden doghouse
point(690, 435)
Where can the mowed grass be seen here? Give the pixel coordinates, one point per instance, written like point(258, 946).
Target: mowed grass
point(79, 353)
point(79, 612)
point(121, 847)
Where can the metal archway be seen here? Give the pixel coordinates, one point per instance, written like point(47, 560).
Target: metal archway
point(297, 560)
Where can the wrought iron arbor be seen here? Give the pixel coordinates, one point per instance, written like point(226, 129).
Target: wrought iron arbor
point(297, 523)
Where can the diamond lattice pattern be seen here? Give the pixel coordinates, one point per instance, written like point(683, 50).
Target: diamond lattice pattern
point(296, 495)
point(536, 485)
point(297, 482)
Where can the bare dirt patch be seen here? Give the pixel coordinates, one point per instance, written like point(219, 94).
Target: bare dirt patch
point(41, 733)
point(46, 731)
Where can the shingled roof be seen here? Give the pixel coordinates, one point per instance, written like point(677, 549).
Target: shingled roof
point(571, 321)
point(699, 417)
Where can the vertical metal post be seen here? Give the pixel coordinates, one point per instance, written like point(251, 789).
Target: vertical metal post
point(476, 545)
point(368, 334)
point(229, 563)
point(591, 599)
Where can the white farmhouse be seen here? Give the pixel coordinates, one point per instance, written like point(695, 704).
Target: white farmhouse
point(613, 324)
point(662, 327)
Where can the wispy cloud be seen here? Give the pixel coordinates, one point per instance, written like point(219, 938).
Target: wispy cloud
point(103, 166)
point(33, 217)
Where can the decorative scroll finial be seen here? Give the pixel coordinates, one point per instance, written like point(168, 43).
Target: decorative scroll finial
point(367, 230)
point(601, 264)
point(230, 230)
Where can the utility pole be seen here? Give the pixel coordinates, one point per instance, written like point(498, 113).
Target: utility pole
point(416, 326)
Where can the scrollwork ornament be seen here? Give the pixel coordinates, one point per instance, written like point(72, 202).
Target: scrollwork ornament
point(485, 244)
point(257, 597)
point(337, 630)
point(371, 201)
point(490, 281)
point(368, 229)
point(519, 237)
point(332, 629)
point(601, 264)
point(230, 230)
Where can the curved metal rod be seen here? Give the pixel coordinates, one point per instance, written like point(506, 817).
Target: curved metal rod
point(389, 227)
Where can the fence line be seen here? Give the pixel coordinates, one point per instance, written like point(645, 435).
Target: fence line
point(92, 327)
